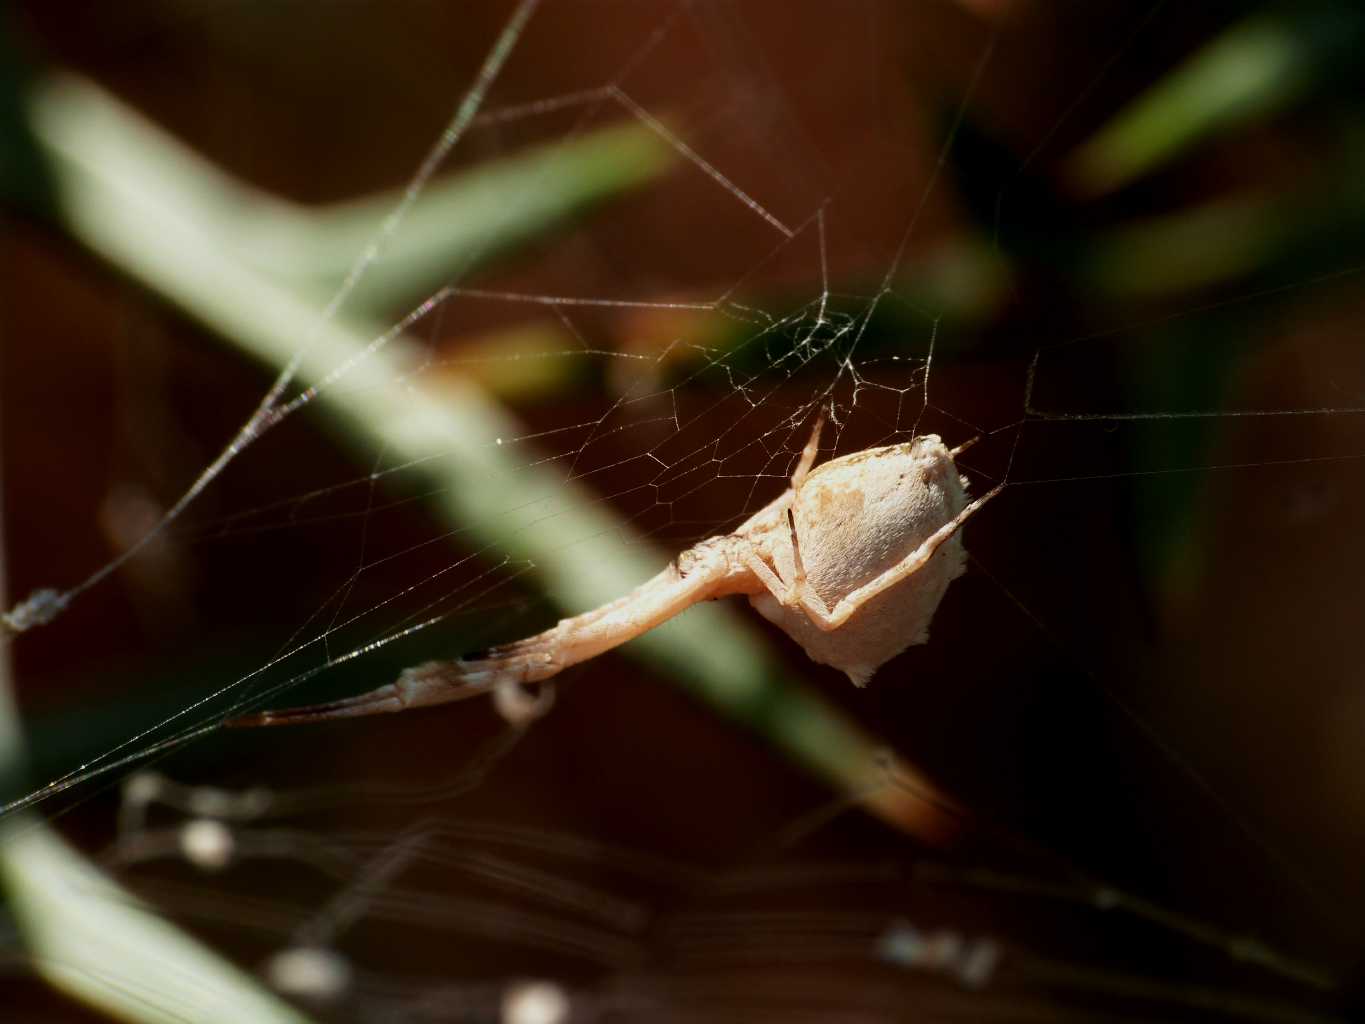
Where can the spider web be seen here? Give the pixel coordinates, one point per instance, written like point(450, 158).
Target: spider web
point(867, 216)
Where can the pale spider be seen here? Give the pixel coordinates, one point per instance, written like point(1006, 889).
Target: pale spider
point(850, 561)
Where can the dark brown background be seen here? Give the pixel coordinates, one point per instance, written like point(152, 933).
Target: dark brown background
point(1191, 735)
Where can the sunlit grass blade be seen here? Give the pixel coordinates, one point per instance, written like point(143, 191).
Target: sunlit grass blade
point(100, 944)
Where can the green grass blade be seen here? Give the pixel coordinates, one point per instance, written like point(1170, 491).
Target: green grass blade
point(93, 940)
point(1257, 67)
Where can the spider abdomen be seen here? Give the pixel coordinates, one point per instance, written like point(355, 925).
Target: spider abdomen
point(856, 518)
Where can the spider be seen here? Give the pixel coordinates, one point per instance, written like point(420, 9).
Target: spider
point(850, 561)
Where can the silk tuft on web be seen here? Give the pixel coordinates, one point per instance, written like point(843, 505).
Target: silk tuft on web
point(450, 392)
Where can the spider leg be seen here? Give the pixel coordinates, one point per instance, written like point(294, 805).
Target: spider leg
point(955, 452)
point(797, 593)
point(433, 682)
point(808, 454)
point(504, 669)
point(798, 565)
point(771, 581)
point(825, 619)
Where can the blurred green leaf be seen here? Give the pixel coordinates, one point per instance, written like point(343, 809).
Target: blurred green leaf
point(24, 183)
point(457, 222)
point(100, 944)
point(1261, 65)
point(1186, 250)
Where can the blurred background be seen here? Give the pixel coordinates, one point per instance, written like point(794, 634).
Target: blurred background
point(1120, 244)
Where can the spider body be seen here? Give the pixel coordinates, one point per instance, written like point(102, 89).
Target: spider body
point(850, 561)
point(858, 517)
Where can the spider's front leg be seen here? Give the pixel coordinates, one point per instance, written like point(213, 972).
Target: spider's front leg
point(504, 670)
point(438, 682)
